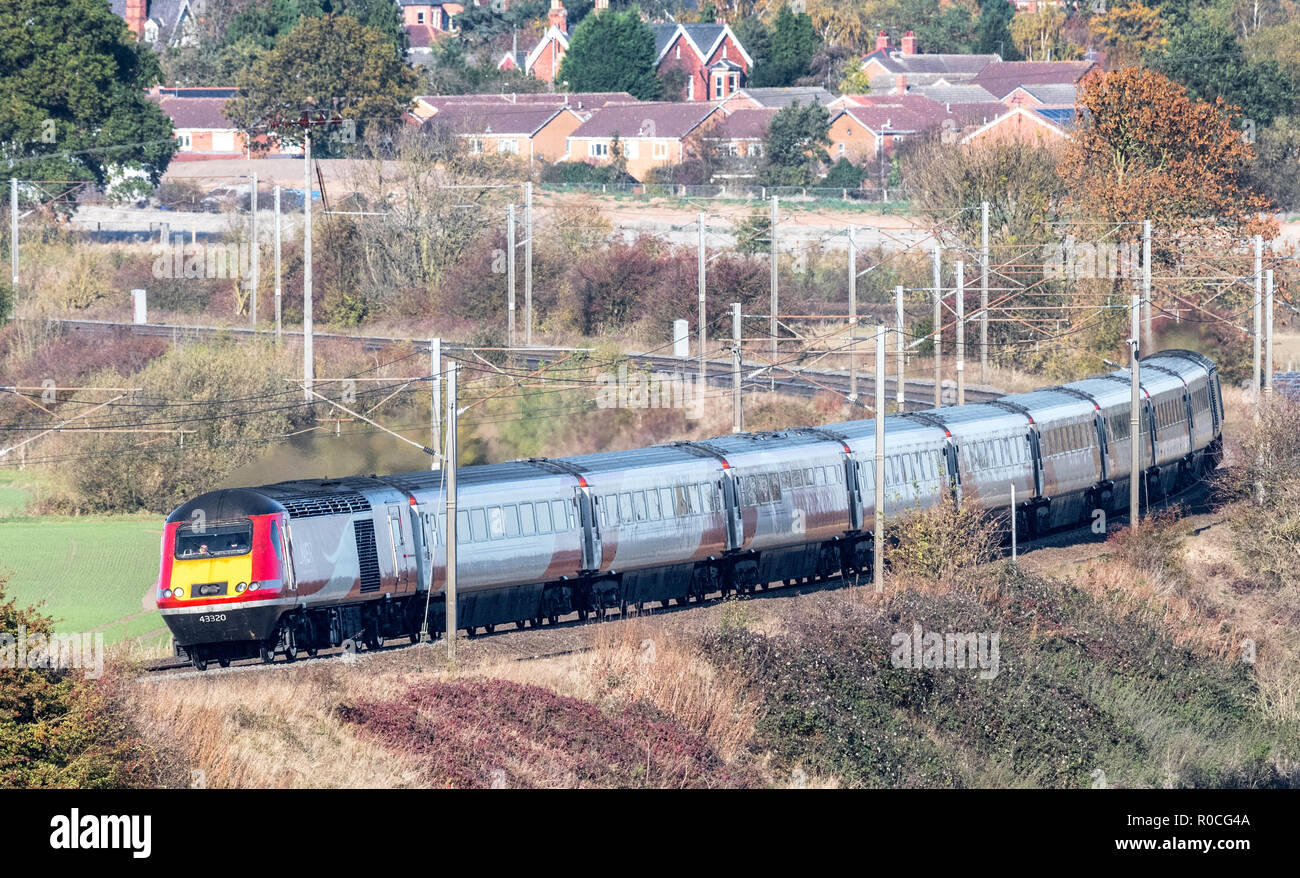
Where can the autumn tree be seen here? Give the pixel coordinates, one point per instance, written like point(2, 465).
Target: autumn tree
point(332, 62)
point(1127, 31)
point(1146, 150)
point(797, 139)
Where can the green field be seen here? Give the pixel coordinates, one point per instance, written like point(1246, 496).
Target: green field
point(92, 573)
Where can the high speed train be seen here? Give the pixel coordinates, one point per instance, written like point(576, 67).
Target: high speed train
point(308, 564)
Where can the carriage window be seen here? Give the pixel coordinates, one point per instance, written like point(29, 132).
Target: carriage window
point(762, 491)
point(527, 520)
point(775, 485)
point(785, 480)
point(666, 502)
point(496, 523)
point(213, 541)
point(696, 505)
point(477, 524)
point(681, 504)
point(652, 503)
point(463, 534)
point(638, 505)
point(819, 475)
point(544, 517)
point(625, 508)
point(512, 520)
point(559, 515)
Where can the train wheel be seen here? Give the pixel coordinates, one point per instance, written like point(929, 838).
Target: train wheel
point(521, 624)
point(553, 619)
point(350, 646)
point(290, 646)
point(267, 653)
point(200, 663)
point(224, 662)
point(490, 628)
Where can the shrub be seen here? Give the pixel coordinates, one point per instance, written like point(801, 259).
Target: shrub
point(940, 544)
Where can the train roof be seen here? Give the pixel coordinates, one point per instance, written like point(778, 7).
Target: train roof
point(1051, 403)
point(680, 454)
point(225, 504)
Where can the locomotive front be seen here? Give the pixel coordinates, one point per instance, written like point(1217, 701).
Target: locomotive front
point(222, 586)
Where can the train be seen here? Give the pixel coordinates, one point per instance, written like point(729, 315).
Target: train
point(310, 564)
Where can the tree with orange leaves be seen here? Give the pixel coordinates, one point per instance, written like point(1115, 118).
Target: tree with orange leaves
point(1145, 150)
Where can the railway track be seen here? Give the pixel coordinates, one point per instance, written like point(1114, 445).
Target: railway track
point(1194, 500)
point(790, 379)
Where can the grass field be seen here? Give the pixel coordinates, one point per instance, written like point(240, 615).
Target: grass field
point(92, 573)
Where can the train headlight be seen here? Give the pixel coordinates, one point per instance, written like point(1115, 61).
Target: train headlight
point(178, 592)
point(253, 586)
point(239, 589)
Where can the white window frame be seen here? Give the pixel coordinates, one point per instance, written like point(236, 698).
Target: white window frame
point(597, 149)
point(630, 149)
point(508, 146)
point(660, 150)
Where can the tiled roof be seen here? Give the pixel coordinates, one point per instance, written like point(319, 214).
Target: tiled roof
point(956, 94)
point(494, 118)
point(703, 35)
point(421, 36)
point(203, 113)
point(747, 124)
point(783, 97)
point(977, 113)
point(901, 113)
point(576, 100)
point(896, 62)
point(1004, 77)
point(658, 119)
point(1057, 94)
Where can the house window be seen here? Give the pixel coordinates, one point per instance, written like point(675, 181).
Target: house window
point(735, 81)
point(756, 149)
point(661, 151)
point(630, 149)
point(679, 51)
point(690, 89)
point(717, 86)
point(841, 147)
point(597, 149)
point(419, 18)
point(475, 145)
point(510, 146)
point(183, 140)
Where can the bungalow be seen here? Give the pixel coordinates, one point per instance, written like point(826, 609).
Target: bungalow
point(875, 125)
point(534, 132)
point(776, 98)
point(742, 134)
point(202, 130)
point(650, 134)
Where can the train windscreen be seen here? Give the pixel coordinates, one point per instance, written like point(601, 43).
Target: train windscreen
point(196, 541)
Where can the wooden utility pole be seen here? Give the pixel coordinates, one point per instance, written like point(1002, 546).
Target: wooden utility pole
point(449, 465)
point(878, 526)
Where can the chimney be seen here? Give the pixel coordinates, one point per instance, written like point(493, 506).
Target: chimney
point(900, 84)
point(601, 5)
point(909, 43)
point(557, 17)
point(136, 12)
point(882, 41)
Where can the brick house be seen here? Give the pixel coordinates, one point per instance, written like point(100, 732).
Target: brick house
point(651, 134)
point(890, 69)
point(713, 61)
point(160, 23)
point(867, 127)
point(740, 135)
point(201, 128)
point(1001, 78)
point(427, 106)
point(534, 132)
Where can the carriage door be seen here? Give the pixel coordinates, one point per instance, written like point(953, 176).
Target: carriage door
point(731, 505)
point(591, 548)
point(403, 549)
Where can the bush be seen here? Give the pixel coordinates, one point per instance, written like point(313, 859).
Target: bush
point(940, 544)
point(59, 728)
